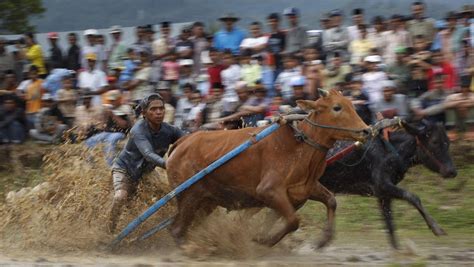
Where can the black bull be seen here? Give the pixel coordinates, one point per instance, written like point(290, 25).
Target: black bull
point(385, 165)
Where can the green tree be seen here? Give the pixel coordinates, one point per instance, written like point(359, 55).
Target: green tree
point(15, 14)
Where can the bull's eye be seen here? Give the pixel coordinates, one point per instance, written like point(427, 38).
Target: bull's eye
point(337, 108)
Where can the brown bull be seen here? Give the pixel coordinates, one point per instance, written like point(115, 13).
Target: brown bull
point(280, 172)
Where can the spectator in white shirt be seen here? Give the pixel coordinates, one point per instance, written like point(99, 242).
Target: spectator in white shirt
point(257, 42)
point(397, 37)
point(230, 76)
point(283, 80)
point(374, 79)
point(357, 19)
point(93, 79)
point(377, 34)
point(93, 48)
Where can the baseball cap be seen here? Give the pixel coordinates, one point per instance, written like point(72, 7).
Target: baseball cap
point(47, 97)
point(291, 11)
point(389, 84)
point(163, 85)
point(91, 32)
point(298, 81)
point(373, 59)
point(400, 50)
point(91, 56)
point(186, 62)
point(115, 29)
point(112, 95)
point(53, 35)
point(335, 12)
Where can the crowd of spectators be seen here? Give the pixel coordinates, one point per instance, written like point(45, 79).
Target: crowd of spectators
point(407, 66)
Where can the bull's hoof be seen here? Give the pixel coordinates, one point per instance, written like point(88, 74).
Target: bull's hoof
point(327, 238)
point(265, 241)
point(438, 231)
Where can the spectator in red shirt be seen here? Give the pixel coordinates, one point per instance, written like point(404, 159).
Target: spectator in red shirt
point(215, 68)
point(440, 66)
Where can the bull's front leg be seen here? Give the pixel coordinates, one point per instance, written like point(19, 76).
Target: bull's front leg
point(388, 190)
point(277, 199)
point(323, 195)
point(385, 205)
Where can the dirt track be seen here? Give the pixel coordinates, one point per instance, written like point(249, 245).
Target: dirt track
point(357, 250)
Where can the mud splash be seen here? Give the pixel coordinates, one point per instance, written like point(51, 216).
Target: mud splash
point(68, 211)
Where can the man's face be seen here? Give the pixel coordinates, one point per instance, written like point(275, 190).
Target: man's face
point(388, 94)
point(72, 39)
point(67, 83)
point(255, 31)
point(228, 59)
point(437, 58)
point(91, 64)
point(187, 93)
point(140, 33)
point(116, 36)
point(358, 19)
point(293, 20)
point(155, 112)
point(53, 41)
point(356, 86)
point(195, 98)
point(452, 22)
point(298, 91)
point(9, 105)
point(185, 35)
point(91, 39)
point(217, 93)
point(272, 23)
point(336, 61)
point(419, 44)
point(10, 79)
point(336, 21)
point(242, 94)
point(378, 27)
point(396, 23)
point(310, 54)
point(214, 55)
point(417, 11)
point(229, 23)
point(33, 74)
point(198, 31)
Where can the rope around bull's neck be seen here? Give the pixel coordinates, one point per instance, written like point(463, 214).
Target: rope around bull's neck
point(314, 124)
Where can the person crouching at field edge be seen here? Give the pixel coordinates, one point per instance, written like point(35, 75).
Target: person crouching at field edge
point(149, 140)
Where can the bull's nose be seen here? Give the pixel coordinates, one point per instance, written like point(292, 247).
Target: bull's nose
point(451, 173)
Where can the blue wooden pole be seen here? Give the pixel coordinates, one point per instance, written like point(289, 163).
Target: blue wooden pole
point(198, 176)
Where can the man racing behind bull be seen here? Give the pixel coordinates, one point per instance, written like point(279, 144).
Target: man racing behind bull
point(148, 142)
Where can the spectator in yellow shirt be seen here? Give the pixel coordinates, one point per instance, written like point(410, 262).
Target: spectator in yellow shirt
point(34, 54)
point(360, 48)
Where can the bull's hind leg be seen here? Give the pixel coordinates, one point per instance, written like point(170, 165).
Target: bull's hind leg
point(386, 208)
point(323, 195)
point(277, 199)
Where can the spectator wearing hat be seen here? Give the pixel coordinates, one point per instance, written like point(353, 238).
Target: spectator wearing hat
point(230, 37)
point(357, 19)
point(12, 121)
point(67, 97)
point(298, 85)
point(50, 123)
point(251, 71)
point(56, 60)
point(165, 43)
point(276, 43)
point(139, 86)
point(118, 50)
point(400, 70)
point(374, 79)
point(34, 54)
point(391, 104)
point(396, 37)
point(93, 79)
point(230, 75)
point(93, 47)
point(117, 118)
point(185, 73)
point(360, 47)
point(73, 55)
point(257, 42)
point(336, 39)
point(421, 25)
point(335, 71)
point(466, 17)
point(200, 44)
point(296, 36)
point(184, 46)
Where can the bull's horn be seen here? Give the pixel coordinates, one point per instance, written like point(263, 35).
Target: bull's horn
point(322, 92)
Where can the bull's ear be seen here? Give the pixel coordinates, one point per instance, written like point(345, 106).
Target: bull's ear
point(306, 105)
point(323, 93)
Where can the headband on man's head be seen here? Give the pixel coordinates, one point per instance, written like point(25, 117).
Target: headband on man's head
point(146, 101)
